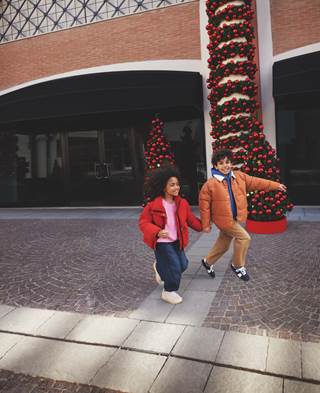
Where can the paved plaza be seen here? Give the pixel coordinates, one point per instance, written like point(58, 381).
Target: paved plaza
point(83, 265)
point(80, 311)
point(282, 298)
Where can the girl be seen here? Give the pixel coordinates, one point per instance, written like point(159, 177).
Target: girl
point(164, 222)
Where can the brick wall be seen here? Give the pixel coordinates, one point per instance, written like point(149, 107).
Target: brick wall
point(168, 33)
point(295, 23)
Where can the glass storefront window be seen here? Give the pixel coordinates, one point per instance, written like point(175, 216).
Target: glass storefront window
point(187, 141)
point(298, 141)
point(117, 150)
point(39, 169)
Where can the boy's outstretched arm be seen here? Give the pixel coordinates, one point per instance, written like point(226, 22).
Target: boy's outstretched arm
point(283, 188)
point(258, 184)
point(205, 208)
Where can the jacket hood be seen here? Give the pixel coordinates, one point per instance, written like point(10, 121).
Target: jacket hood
point(216, 172)
point(220, 176)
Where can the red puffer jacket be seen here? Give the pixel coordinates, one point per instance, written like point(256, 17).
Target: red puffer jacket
point(153, 218)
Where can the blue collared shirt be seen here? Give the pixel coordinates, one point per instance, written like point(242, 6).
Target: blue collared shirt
point(220, 176)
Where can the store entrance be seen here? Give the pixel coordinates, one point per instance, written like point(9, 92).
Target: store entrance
point(83, 163)
point(100, 168)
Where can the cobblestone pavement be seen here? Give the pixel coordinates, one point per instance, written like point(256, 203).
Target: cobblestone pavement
point(88, 265)
point(282, 298)
point(19, 383)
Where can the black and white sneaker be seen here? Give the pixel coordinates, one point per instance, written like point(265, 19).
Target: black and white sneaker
point(209, 268)
point(241, 272)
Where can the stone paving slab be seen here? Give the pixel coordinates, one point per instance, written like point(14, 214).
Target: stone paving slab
point(304, 213)
point(284, 357)
point(300, 387)
point(310, 361)
point(181, 375)
point(193, 267)
point(220, 268)
point(154, 337)
point(155, 294)
point(220, 272)
point(7, 341)
point(200, 251)
point(199, 343)
point(203, 245)
point(200, 245)
point(243, 350)
point(195, 256)
point(152, 309)
point(96, 329)
point(25, 320)
point(4, 309)
point(225, 380)
point(55, 359)
point(205, 283)
point(129, 371)
point(185, 281)
point(208, 236)
point(193, 310)
point(59, 325)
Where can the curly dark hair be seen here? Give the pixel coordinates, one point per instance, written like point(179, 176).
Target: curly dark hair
point(219, 155)
point(157, 180)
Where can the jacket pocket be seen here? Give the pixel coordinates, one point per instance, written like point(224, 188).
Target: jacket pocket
point(159, 218)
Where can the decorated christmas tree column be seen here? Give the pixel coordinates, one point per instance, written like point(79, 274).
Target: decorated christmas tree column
point(158, 150)
point(234, 105)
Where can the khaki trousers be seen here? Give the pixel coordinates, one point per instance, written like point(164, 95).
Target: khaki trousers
point(240, 247)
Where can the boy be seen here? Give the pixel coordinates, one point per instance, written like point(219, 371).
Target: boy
point(223, 200)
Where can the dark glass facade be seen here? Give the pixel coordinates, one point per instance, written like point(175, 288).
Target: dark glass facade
point(96, 167)
point(296, 88)
point(298, 138)
point(80, 140)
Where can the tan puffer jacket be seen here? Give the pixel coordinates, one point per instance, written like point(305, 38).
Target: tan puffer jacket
point(214, 200)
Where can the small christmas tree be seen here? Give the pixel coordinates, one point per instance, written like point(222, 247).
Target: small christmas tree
point(233, 103)
point(158, 150)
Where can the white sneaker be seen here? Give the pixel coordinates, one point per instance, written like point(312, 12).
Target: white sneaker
point(157, 275)
point(171, 297)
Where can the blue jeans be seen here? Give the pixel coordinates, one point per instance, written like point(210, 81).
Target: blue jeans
point(171, 263)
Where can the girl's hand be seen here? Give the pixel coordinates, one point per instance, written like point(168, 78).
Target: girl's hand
point(163, 234)
point(282, 187)
point(206, 230)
